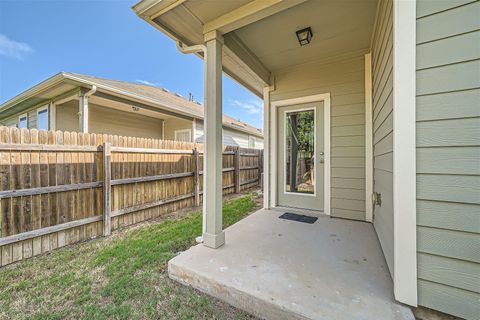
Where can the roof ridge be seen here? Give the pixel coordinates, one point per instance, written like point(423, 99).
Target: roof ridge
point(168, 91)
point(151, 92)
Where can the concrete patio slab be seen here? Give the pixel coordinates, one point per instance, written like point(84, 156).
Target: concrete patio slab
point(280, 269)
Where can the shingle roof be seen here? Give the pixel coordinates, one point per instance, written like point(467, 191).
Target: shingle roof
point(163, 96)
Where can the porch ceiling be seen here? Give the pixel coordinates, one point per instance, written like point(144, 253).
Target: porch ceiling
point(260, 34)
point(338, 27)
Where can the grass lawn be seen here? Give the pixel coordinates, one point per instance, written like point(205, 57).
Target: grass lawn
point(120, 277)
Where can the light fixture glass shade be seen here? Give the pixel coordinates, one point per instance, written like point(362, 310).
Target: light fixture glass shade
point(304, 36)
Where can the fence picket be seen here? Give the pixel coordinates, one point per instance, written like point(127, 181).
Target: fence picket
point(107, 174)
point(58, 188)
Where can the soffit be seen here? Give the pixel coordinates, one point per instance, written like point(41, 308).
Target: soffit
point(207, 10)
point(338, 27)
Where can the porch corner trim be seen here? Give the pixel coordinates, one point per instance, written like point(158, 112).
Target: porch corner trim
point(404, 154)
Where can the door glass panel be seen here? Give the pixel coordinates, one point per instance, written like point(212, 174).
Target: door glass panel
point(299, 152)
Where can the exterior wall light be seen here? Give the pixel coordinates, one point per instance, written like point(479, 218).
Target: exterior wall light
point(304, 36)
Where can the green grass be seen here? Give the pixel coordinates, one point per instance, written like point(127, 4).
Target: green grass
point(122, 277)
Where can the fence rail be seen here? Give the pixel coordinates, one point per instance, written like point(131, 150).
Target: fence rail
point(59, 188)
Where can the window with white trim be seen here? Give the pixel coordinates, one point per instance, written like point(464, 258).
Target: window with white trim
point(42, 118)
point(184, 135)
point(23, 121)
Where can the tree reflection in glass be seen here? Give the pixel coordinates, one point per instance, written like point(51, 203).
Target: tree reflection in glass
point(300, 152)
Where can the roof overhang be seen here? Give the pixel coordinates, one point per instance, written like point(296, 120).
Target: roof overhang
point(55, 88)
point(64, 86)
point(178, 22)
point(260, 35)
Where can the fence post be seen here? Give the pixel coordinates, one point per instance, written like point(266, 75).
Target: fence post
point(260, 169)
point(236, 165)
point(196, 176)
point(107, 176)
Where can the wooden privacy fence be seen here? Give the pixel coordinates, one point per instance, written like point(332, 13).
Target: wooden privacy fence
point(59, 188)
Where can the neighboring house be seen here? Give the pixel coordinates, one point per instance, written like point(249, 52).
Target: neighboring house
point(392, 89)
point(75, 102)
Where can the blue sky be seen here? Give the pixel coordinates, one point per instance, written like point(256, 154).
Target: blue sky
point(105, 39)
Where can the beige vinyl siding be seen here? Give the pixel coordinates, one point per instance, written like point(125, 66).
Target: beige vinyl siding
point(110, 121)
point(66, 118)
point(229, 137)
point(31, 118)
point(448, 156)
point(173, 124)
point(235, 138)
point(345, 81)
point(10, 122)
point(382, 79)
point(258, 143)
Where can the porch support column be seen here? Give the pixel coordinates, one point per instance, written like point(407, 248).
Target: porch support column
point(83, 108)
point(83, 112)
point(213, 235)
point(266, 148)
point(404, 153)
point(52, 116)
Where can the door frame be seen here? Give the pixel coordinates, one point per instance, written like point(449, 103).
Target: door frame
point(274, 105)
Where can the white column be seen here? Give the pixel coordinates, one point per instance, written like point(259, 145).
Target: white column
point(404, 153)
point(213, 235)
point(83, 112)
point(266, 148)
point(52, 116)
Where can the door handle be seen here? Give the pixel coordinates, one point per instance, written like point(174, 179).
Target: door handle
point(321, 159)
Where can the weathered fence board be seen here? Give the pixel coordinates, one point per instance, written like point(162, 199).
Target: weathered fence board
point(59, 188)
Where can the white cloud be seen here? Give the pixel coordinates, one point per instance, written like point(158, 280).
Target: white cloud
point(148, 83)
point(14, 49)
point(250, 107)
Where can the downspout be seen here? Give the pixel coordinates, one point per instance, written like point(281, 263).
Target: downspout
point(191, 49)
point(83, 106)
point(91, 91)
point(186, 50)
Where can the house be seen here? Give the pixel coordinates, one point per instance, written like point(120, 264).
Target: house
point(388, 91)
point(76, 102)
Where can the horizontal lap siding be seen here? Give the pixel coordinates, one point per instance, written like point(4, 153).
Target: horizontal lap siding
point(229, 137)
point(345, 82)
point(448, 153)
point(106, 120)
point(12, 121)
point(173, 124)
point(382, 78)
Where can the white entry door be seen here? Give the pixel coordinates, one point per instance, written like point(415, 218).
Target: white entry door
point(300, 156)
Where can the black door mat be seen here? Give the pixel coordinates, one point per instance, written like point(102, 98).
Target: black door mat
point(298, 217)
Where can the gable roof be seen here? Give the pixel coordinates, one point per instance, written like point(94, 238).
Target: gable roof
point(161, 98)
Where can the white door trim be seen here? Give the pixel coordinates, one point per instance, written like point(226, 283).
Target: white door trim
point(404, 152)
point(274, 105)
